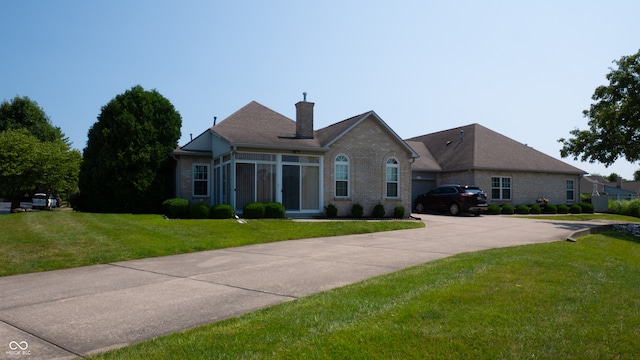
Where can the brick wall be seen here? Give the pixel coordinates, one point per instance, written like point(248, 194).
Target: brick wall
point(526, 187)
point(185, 177)
point(368, 146)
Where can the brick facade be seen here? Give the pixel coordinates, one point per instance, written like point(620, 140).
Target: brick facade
point(185, 180)
point(526, 187)
point(368, 146)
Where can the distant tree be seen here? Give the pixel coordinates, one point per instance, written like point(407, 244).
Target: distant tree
point(28, 165)
point(614, 118)
point(127, 163)
point(636, 175)
point(24, 113)
point(613, 177)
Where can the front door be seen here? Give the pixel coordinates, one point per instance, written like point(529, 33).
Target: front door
point(291, 187)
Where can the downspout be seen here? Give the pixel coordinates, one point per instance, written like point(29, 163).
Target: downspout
point(177, 189)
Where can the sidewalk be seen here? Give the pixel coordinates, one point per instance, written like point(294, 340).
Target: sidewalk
point(77, 312)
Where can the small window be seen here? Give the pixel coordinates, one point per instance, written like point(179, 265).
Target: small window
point(342, 176)
point(570, 190)
point(200, 180)
point(393, 178)
point(500, 188)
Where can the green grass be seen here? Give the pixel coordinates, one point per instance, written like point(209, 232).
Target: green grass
point(559, 300)
point(49, 240)
point(582, 217)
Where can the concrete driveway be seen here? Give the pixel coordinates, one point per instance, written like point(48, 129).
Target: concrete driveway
point(77, 312)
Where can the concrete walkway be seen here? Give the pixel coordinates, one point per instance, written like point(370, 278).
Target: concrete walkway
point(77, 312)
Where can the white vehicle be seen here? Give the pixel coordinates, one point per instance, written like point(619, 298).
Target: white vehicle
point(42, 201)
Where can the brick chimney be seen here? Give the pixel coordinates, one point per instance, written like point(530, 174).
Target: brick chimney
point(304, 119)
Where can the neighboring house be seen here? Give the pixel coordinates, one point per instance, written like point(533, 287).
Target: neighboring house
point(508, 171)
point(257, 154)
point(620, 188)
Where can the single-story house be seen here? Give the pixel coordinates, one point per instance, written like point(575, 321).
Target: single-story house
point(596, 183)
point(508, 171)
point(257, 154)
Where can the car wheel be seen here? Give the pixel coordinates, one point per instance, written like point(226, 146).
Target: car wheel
point(454, 209)
point(419, 208)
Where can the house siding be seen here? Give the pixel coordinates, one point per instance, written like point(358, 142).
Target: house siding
point(368, 146)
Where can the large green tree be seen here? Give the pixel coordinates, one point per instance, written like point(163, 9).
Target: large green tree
point(614, 118)
point(127, 163)
point(24, 113)
point(28, 165)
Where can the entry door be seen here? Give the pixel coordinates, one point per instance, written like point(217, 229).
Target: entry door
point(291, 187)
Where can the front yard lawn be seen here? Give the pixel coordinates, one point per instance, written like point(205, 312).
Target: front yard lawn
point(50, 240)
point(558, 300)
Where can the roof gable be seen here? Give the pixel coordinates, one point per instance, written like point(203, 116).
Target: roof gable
point(333, 133)
point(477, 147)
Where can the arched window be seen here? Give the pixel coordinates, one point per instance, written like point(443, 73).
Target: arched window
point(341, 176)
point(393, 178)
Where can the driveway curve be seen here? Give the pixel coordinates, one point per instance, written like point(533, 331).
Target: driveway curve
point(78, 312)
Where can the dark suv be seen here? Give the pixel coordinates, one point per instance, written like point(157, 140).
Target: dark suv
point(453, 199)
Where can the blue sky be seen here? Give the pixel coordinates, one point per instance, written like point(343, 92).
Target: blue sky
point(523, 69)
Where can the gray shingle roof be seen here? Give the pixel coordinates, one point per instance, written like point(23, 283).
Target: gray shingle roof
point(256, 125)
point(476, 147)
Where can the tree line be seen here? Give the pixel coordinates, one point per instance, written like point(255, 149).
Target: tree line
point(127, 166)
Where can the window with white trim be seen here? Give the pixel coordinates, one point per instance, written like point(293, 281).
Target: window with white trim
point(200, 180)
point(500, 188)
point(393, 178)
point(341, 167)
point(570, 190)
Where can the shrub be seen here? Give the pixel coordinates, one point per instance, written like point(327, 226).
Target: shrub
point(398, 212)
point(549, 209)
point(274, 210)
point(586, 208)
point(535, 209)
point(222, 211)
point(563, 209)
point(357, 210)
point(378, 211)
point(633, 208)
point(199, 210)
point(331, 210)
point(522, 209)
point(176, 207)
point(493, 209)
point(506, 209)
point(253, 210)
point(575, 209)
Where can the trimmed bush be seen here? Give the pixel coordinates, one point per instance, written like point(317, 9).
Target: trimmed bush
point(222, 211)
point(575, 209)
point(493, 209)
point(253, 210)
point(357, 210)
point(199, 210)
point(378, 211)
point(398, 212)
point(506, 209)
point(331, 211)
point(549, 209)
point(274, 210)
point(535, 209)
point(587, 208)
point(522, 209)
point(176, 208)
point(563, 209)
point(633, 208)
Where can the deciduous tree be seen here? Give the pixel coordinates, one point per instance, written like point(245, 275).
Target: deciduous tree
point(614, 118)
